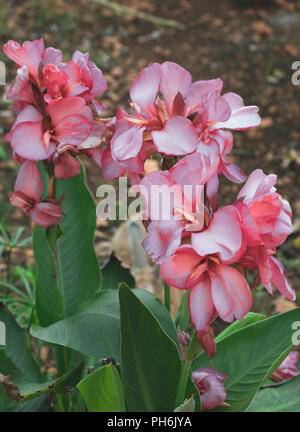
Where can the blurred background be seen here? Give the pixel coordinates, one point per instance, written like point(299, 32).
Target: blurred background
point(250, 44)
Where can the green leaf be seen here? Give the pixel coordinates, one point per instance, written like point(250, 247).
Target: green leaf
point(17, 350)
point(29, 390)
point(250, 318)
point(249, 356)
point(95, 329)
point(113, 273)
point(17, 361)
point(150, 360)
point(77, 265)
point(102, 390)
point(280, 398)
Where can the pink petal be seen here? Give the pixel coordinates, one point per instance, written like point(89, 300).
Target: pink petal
point(232, 172)
point(223, 237)
point(46, 214)
point(176, 269)
point(127, 142)
point(161, 195)
point(242, 117)
point(178, 137)
point(174, 79)
point(111, 168)
point(193, 170)
point(29, 180)
point(52, 56)
point(257, 186)
point(145, 87)
point(211, 387)
point(237, 291)
point(200, 304)
point(163, 239)
point(194, 99)
point(215, 108)
point(73, 129)
point(27, 141)
point(280, 280)
point(67, 166)
point(66, 107)
point(29, 53)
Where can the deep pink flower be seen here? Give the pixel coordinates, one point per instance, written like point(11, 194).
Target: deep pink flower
point(80, 77)
point(288, 368)
point(27, 196)
point(266, 221)
point(210, 386)
point(215, 286)
point(33, 55)
point(265, 214)
point(174, 203)
point(36, 137)
point(186, 116)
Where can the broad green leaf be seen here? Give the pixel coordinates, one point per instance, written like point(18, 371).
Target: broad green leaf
point(17, 361)
point(150, 360)
point(17, 350)
point(102, 390)
point(280, 398)
point(95, 329)
point(29, 390)
point(249, 356)
point(113, 273)
point(250, 318)
point(35, 405)
point(77, 265)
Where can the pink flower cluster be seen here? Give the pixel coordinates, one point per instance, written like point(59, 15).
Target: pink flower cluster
point(54, 120)
point(184, 126)
point(201, 248)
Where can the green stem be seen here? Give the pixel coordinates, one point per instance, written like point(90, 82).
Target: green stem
point(184, 375)
point(167, 297)
point(193, 346)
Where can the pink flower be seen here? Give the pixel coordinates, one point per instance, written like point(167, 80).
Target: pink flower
point(36, 137)
point(33, 55)
point(265, 214)
point(210, 386)
point(80, 77)
point(266, 221)
point(174, 204)
point(288, 368)
point(27, 196)
point(203, 268)
point(189, 112)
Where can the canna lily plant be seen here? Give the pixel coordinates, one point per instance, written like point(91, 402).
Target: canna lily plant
point(118, 348)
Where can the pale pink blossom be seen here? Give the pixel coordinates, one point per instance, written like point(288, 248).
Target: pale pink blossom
point(27, 196)
point(215, 287)
point(209, 383)
point(36, 137)
point(266, 221)
point(188, 115)
point(80, 77)
point(174, 203)
point(33, 55)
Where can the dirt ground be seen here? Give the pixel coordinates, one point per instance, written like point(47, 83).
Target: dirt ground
point(251, 45)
